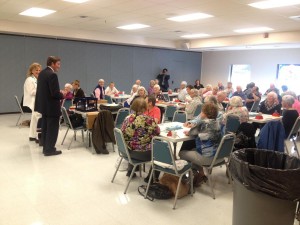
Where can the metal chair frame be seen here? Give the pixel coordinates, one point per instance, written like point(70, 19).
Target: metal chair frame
point(69, 125)
point(293, 136)
point(22, 113)
point(162, 152)
point(223, 153)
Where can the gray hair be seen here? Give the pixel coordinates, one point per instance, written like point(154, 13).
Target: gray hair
point(184, 82)
point(195, 92)
point(100, 80)
point(211, 99)
point(68, 85)
point(290, 93)
point(156, 86)
point(236, 101)
point(273, 94)
point(142, 88)
point(288, 99)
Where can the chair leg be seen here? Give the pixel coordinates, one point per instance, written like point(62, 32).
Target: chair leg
point(295, 147)
point(131, 175)
point(17, 124)
point(82, 135)
point(177, 191)
point(211, 184)
point(112, 180)
point(65, 136)
point(228, 173)
point(149, 182)
point(74, 137)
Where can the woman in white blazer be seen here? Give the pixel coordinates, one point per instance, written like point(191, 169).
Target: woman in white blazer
point(30, 86)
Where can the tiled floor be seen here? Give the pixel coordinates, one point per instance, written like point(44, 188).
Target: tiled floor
point(75, 188)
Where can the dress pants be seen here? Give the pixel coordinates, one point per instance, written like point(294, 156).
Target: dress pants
point(50, 128)
point(33, 124)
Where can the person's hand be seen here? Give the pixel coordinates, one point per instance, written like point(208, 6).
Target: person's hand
point(63, 92)
point(186, 132)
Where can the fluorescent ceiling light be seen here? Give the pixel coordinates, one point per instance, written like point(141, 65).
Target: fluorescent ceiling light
point(274, 3)
point(189, 17)
point(253, 30)
point(133, 26)
point(195, 35)
point(37, 12)
point(76, 1)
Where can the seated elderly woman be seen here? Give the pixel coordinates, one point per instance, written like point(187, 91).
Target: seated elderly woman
point(208, 136)
point(68, 88)
point(138, 130)
point(270, 105)
point(141, 92)
point(289, 114)
point(236, 108)
point(191, 106)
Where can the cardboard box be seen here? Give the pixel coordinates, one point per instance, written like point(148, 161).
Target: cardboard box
point(90, 118)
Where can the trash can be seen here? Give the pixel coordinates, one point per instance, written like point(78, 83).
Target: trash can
point(266, 187)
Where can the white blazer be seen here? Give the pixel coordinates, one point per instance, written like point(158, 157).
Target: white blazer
point(30, 86)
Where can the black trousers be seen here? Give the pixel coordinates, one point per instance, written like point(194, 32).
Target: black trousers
point(50, 127)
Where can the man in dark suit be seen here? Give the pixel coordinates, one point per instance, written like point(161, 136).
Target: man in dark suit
point(163, 79)
point(47, 102)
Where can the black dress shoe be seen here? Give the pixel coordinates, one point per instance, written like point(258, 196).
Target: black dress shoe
point(129, 173)
point(52, 153)
point(32, 139)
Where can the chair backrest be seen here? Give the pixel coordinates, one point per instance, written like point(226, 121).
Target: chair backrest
point(108, 98)
point(121, 115)
point(232, 123)
point(198, 110)
point(166, 97)
point(225, 148)
point(295, 128)
point(162, 152)
point(122, 147)
point(255, 106)
point(19, 105)
point(169, 114)
point(180, 116)
point(67, 103)
point(66, 117)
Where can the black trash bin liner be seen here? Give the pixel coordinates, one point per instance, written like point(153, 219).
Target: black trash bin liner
point(273, 173)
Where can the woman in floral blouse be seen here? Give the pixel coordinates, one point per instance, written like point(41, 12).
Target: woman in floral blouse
point(138, 130)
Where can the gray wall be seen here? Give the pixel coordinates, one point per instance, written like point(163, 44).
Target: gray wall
point(216, 65)
point(88, 62)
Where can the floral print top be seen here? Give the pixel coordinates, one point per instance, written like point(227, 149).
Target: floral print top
point(138, 131)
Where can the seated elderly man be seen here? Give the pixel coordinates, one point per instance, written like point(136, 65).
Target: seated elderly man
point(188, 97)
point(111, 89)
point(272, 89)
point(239, 93)
point(270, 105)
point(229, 90)
point(99, 91)
point(221, 96)
point(252, 97)
point(182, 91)
point(191, 106)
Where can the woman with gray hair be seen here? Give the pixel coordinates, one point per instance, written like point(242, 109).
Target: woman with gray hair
point(236, 108)
point(190, 107)
point(270, 105)
point(289, 114)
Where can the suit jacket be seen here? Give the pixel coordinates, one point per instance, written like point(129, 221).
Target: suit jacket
point(48, 96)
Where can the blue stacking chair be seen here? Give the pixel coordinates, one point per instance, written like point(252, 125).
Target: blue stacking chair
point(180, 116)
point(169, 113)
point(124, 154)
point(108, 98)
point(121, 115)
point(162, 152)
point(232, 124)
point(220, 158)
point(198, 110)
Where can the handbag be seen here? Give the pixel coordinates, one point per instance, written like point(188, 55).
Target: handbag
point(171, 182)
point(156, 191)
